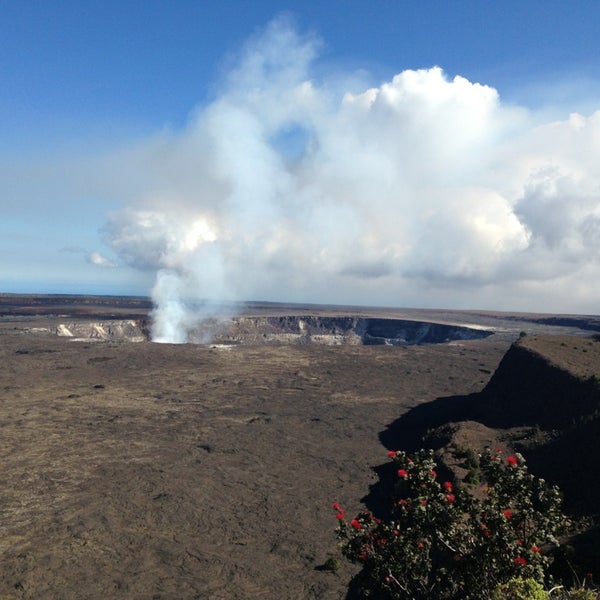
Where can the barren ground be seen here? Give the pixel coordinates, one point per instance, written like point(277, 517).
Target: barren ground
point(174, 472)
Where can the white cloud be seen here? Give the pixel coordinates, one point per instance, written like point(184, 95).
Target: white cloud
point(95, 258)
point(420, 191)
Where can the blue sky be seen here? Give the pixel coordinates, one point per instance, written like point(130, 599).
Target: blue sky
point(137, 65)
point(129, 131)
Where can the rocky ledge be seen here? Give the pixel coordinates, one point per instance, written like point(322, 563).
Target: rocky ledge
point(543, 401)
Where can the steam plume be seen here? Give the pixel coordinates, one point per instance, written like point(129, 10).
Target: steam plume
point(420, 191)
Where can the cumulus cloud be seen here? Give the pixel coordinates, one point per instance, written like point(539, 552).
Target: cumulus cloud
point(420, 191)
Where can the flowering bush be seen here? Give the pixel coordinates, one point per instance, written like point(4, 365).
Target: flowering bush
point(447, 541)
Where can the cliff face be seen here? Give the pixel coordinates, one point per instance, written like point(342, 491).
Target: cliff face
point(331, 331)
point(544, 399)
point(531, 389)
point(115, 330)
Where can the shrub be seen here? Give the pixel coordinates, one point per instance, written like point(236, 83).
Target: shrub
point(520, 589)
point(446, 541)
point(581, 594)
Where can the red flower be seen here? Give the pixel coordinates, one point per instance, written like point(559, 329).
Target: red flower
point(396, 532)
point(447, 486)
point(507, 513)
point(341, 515)
point(423, 502)
point(520, 560)
point(535, 549)
point(356, 524)
point(433, 474)
point(420, 544)
point(402, 473)
point(336, 506)
point(403, 502)
point(362, 556)
point(512, 461)
point(450, 498)
point(392, 453)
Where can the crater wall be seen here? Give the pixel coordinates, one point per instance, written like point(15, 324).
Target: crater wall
point(331, 331)
point(289, 329)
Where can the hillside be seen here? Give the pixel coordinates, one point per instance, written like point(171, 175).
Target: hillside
point(545, 395)
point(543, 401)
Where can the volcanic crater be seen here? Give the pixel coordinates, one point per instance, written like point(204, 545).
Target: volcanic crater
point(289, 329)
point(142, 470)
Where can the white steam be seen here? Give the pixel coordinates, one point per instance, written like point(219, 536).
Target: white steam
point(421, 191)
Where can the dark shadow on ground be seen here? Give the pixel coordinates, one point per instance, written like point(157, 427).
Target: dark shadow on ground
point(578, 560)
point(553, 461)
point(354, 589)
point(407, 433)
